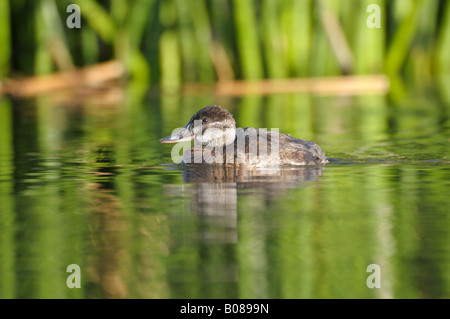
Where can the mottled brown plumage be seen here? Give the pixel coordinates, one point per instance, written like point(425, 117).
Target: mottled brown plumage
point(218, 141)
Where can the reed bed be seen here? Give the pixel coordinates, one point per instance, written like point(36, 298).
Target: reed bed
point(170, 42)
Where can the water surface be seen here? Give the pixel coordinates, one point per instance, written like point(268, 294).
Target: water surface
point(88, 183)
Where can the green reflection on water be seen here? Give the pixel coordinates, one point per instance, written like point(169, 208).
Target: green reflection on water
point(7, 245)
point(89, 183)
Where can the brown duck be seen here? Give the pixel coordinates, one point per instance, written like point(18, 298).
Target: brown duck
point(218, 141)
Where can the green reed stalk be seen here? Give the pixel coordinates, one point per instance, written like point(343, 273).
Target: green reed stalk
point(297, 28)
point(169, 46)
point(398, 49)
point(187, 43)
point(135, 25)
point(368, 43)
point(42, 57)
point(323, 62)
point(119, 11)
point(5, 38)
point(443, 52)
point(169, 59)
point(248, 39)
point(222, 28)
point(55, 37)
point(273, 39)
point(98, 19)
point(89, 47)
point(349, 14)
point(203, 39)
point(425, 41)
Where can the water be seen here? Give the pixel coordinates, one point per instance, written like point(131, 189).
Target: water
point(86, 182)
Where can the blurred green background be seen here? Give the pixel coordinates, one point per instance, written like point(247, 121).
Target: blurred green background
point(173, 41)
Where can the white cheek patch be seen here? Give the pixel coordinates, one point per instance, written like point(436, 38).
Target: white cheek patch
point(211, 134)
point(218, 134)
point(218, 137)
point(197, 128)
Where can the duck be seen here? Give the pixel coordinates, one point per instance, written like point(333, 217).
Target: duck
point(218, 141)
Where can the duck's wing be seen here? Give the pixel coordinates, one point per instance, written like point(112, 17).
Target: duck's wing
point(295, 151)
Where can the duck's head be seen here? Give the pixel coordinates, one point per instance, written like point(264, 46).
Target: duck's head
point(212, 126)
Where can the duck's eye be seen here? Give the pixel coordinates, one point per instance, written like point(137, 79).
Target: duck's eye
point(205, 120)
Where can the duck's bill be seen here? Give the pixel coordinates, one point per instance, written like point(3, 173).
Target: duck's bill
point(182, 135)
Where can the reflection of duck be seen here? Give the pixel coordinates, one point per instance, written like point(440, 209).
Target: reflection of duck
point(213, 191)
point(271, 179)
point(218, 141)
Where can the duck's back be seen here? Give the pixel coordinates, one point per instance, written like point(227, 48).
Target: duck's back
point(294, 151)
point(259, 148)
point(271, 148)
